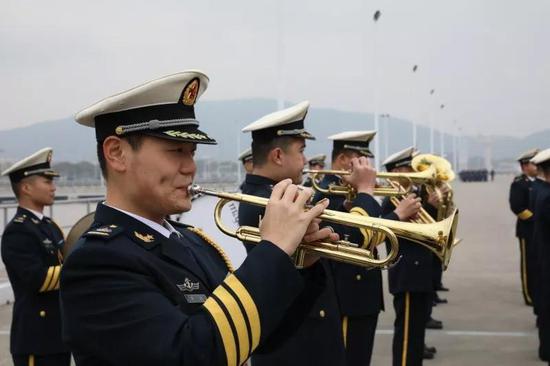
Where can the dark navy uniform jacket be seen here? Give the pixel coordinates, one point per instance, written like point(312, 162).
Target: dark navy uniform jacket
point(30, 251)
point(131, 296)
point(521, 205)
point(318, 340)
point(541, 236)
point(359, 289)
point(413, 271)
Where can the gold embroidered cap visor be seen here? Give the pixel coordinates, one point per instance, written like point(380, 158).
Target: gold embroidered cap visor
point(193, 135)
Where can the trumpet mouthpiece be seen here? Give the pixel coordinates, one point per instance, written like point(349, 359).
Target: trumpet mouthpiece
point(194, 189)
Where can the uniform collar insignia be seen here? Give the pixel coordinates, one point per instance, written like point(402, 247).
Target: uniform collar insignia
point(35, 221)
point(148, 238)
point(46, 241)
point(104, 229)
point(188, 286)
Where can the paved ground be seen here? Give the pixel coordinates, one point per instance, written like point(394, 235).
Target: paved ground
point(485, 322)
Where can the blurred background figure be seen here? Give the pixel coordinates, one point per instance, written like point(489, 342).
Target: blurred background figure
point(316, 162)
point(520, 192)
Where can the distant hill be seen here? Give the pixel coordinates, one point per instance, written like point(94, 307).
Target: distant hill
point(224, 121)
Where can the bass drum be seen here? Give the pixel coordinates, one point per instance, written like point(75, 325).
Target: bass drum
point(81, 226)
point(202, 216)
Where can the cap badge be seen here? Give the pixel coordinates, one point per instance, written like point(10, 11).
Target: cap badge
point(148, 238)
point(190, 92)
point(49, 157)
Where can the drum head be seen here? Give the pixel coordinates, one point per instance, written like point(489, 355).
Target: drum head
point(76, 232)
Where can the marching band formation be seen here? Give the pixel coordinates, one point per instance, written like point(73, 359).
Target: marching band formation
point(130, 286)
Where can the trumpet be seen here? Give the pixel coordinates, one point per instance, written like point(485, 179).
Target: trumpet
point(392, 190)
point(438, 237)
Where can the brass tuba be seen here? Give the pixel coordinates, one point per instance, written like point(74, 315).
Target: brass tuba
point(441, 186)
point(438, 237)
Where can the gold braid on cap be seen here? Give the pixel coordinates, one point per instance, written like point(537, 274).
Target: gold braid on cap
point(155, 124)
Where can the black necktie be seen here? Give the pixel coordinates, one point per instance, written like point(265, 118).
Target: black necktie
point(174, 236)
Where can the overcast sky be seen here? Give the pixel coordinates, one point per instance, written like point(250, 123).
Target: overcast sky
point(488, 60)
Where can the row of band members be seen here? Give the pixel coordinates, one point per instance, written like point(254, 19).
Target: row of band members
point(140, 289)
point(529, 201)
point(477, 175)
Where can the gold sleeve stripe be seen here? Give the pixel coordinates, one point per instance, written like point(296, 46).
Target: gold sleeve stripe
point(249, 307)
point(55, 278)
point(239, 322)
point(525, 214)
point(47, 280)
point(224, 328)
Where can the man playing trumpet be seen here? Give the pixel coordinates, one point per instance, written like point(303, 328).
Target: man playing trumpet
point(359, 289)
point(142, 290)
point(278, 144)
point(410, 280)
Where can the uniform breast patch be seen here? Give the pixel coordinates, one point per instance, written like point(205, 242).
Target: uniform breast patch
point(188, 285)
point(195, 298)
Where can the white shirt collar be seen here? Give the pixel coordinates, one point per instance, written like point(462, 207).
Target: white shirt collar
point(40, 215)
point(165, 229)
point(532, 179)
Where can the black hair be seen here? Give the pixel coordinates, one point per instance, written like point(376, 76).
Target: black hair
point(261, 149)
point(134, 141)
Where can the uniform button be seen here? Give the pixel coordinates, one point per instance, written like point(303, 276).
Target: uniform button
point(416, 263)
point(42, 314)
point(322, 313)
point(358, 277)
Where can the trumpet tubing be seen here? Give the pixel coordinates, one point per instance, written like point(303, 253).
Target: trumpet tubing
point(384, 191)
point(341, 251)
point(438, 237)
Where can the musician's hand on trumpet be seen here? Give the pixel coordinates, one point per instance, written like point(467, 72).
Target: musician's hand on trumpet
point(408, 207)
point(286, 224)
point(362, 177)
point(434, 198)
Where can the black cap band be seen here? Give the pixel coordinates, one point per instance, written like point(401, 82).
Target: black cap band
point(107, 124)
point(293, 129)
point(362, 147)
point(399, 163)
point(38, 169)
